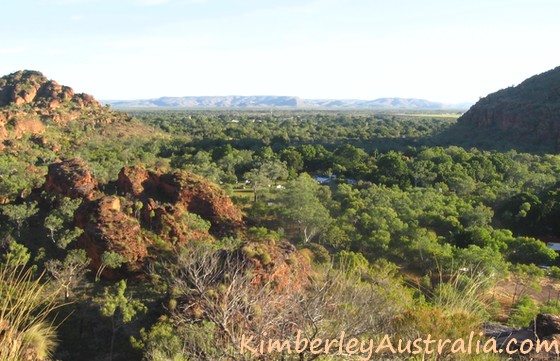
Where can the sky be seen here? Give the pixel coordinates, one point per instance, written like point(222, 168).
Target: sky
point(441, 50)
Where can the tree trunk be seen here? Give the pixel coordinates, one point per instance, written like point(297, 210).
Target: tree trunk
point(99, 271)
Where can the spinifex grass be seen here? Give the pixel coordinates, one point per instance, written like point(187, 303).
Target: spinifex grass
point(25, 303)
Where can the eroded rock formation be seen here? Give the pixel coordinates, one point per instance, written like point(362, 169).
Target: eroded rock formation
point(185, 191)
point(176, 208)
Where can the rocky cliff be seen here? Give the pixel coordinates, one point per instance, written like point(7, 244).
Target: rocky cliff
point(529, 111)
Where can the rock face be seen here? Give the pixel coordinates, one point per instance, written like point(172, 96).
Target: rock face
point(547, 325)
point(107, 228)
point(170, 210)
point(530, 110)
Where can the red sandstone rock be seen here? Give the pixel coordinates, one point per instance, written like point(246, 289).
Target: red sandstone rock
point(71, 178)
point(108, 228)
point(186, 190)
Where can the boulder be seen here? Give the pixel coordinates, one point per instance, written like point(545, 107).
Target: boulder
point(71, 178)
point(131, 180)
point(108, 228)
point(547, 325)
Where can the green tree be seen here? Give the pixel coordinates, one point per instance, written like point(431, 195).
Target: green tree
point(293, 159)
point(266, 173)
point(162, 342)
point(530, 250)
point(523, 312)
point(16, 255)
point(119, 308)
point(68, 236)
point(477, 260)
point(392, 170)
point(60, 222)
point(109, 259)
point(20, 213)
point(301, 205)
point(53, 223)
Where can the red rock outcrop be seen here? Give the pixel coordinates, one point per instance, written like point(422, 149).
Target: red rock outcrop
point(27, 86)
point(71, 178)
point(85, 100)
point(186, 191)
point(107, 228)
point(131, 180)
point(177, 208)
point(28, 100)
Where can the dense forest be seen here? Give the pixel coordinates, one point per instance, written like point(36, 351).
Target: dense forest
point(172, 234)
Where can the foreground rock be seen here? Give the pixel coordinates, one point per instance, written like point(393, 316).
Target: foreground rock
point(107, 228)
point(545, 327)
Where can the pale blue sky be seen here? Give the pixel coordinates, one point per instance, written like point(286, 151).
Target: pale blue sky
point(441, 50)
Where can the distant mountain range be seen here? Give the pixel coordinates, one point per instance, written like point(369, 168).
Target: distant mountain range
point(283, 101)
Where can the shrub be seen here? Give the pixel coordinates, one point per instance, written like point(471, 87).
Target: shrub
point(554, 272)
point(320, 254)
point(523, 312)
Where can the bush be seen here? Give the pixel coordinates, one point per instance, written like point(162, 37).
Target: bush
point(523, 312)
point(320, 254)
point(554, 272)
point(160, 343)
point(249, 252)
